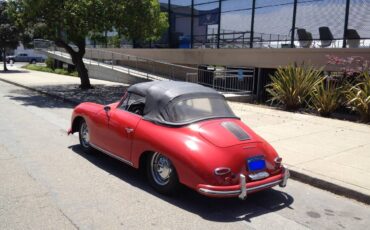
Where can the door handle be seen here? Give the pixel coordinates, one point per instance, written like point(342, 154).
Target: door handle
point(129, 130)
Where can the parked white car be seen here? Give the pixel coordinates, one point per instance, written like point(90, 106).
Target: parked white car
point(23, 57)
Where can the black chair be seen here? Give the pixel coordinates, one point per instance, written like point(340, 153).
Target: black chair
point(326, 36)
point(304, 38)
point(353, 38)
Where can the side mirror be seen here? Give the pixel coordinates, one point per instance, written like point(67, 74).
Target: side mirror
point(107, 108)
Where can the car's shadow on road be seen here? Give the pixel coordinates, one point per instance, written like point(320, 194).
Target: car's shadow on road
point(220, 210)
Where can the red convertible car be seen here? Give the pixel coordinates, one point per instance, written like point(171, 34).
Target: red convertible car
point(181, 133)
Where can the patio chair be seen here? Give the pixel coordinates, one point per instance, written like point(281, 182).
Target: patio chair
point(353, 38)
point(326, 36)
point(304, 38)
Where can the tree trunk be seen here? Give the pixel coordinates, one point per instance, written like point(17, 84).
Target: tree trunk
point(77, 60)
point(4, 60)
point(82, 72)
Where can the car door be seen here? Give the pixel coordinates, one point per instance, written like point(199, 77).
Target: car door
point(99, 130)
point(18, 58)
point(122, 126)
point(22, 57)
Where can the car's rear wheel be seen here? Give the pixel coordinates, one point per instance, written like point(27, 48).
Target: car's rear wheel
point(33, 61)
point(84, 136)
point(161, 174)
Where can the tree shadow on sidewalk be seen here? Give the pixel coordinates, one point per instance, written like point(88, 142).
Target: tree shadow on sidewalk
point(12, 71)
point(72, 94)
point(32, 98)
point(213, 209)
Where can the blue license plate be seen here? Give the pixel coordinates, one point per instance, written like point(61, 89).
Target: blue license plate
point(256, 164)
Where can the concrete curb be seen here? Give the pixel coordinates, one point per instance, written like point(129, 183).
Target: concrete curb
point(294, 174)
point(328, 186)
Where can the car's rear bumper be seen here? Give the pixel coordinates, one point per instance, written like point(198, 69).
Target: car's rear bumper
point(243, 189)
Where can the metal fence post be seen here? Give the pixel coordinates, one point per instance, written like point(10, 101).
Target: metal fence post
point(147, 74)
point(258, 84)
point(128, 68)
point(251, 38)
point(171, 71)
point(293, 23)
point(219, 24)
point(153, 68)
point(346, 24)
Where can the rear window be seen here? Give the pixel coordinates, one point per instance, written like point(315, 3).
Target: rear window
point(195, 109)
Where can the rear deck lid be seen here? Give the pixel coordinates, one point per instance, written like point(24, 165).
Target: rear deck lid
point(225, 133)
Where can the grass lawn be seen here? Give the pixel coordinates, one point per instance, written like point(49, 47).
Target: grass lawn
point(50, 70)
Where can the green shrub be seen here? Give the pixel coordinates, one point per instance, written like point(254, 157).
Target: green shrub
point(49, 70)
point(49, 63)
point(326, 97)
point(61, 71)
point(74, 74)
point(292, 85)
point(38, 68)
point(358, 97)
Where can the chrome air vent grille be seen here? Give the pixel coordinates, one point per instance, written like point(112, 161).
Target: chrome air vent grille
point(236, 130)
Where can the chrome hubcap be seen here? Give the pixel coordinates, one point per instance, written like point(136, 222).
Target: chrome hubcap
point(85, 137)
point(161, 169)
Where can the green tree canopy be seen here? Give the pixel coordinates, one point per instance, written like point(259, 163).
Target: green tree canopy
point(9, 33)
point(68, 22)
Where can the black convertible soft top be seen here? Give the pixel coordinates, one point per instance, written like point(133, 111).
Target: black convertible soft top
point(161, 96)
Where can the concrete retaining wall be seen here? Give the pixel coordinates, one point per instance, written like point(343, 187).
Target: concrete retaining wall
point(107, 74)
point(101, 72)
point(259, 58)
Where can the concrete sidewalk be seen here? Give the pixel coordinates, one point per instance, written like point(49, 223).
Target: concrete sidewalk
point(326, 153)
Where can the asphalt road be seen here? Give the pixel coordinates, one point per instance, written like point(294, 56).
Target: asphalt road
point(47, 182)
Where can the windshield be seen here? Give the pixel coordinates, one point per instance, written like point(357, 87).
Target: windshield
point(195, 109)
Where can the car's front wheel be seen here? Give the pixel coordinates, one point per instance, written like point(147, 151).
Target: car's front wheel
point(161, 174)
point(84, 136)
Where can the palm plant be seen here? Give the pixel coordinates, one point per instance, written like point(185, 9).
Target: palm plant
point(326, 97)
point(292, 85)
point(358, 97)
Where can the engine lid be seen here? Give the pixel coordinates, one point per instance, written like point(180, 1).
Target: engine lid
point(226, 133)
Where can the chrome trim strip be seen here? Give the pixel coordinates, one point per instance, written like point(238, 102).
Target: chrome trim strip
point(271, 184)
point(214, 192)
point(237, 192)
point(112, 155)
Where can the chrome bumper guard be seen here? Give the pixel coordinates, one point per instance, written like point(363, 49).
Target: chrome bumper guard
point(285, 177)
point(243, 192)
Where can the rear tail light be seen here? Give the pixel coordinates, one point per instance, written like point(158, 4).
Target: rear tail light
point(278, 161)
point(222, 171)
